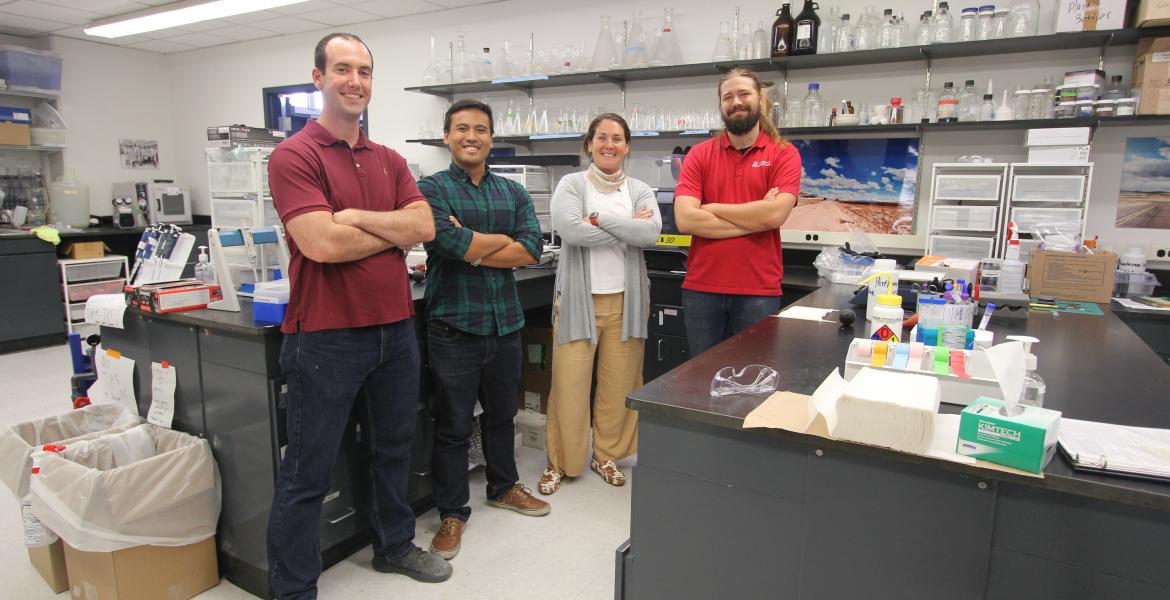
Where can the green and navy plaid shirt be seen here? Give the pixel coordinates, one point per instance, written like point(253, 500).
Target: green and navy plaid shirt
point(478, 300)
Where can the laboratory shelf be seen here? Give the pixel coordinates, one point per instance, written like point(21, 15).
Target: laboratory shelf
point(907, 128)
point(1039, 43)
point(30, 93)
point(6, 147)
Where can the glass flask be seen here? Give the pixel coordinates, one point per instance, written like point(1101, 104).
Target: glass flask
point(603, 51)
point(666, 49)
point(635, 55)
point(724, 46)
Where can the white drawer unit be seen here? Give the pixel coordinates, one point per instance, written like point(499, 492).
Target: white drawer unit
point(540, 203)
point(964, 218)
point(534, 178)
point(85, 277)
point(1048, 188)
point(958, 187)
point(231, 178)
point(1027, 218)
point(956, 246)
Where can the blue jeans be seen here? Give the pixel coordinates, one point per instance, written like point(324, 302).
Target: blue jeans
point(712, 318)
point(327, 372)
point(469, 367)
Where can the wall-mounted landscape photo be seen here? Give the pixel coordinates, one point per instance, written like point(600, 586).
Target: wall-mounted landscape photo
point(851, 184)
point(1145, 184)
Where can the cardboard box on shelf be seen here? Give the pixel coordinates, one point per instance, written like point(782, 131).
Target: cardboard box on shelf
point(534, 389)
point(15, 134)
point(172, 572)
point(537, 348)
point(1151, 76)
point(49, 561)
point(1058, 136)
point(84, 250)
point(1059, 154)
point(533, 426)
point(1090, 15)
point(1072, 276)
point(1153, 13)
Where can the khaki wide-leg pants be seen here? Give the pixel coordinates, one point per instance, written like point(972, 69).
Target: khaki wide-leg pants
point(619, 372)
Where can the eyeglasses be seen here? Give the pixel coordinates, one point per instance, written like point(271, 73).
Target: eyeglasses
point(752, 379)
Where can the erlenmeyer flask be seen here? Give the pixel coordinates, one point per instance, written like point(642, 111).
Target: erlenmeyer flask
point(459, 72)
point(619, 50)
point(634, 56)
point(666, 50)
point(542, 121)
point(580, 65)
point(724, 48)
point(431, 74)
point(603, 51)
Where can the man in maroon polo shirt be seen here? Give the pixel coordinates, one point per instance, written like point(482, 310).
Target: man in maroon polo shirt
point(347, 204)
point(734, 193)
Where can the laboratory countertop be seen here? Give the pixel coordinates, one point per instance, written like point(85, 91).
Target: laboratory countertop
point(1095, 367)
point(242, 322)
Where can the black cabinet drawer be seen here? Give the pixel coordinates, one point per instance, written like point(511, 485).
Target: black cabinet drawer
point(344, 512)
point(667, 319)
point(663, 353)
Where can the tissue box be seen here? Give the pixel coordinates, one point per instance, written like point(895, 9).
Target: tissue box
point(1026, 441)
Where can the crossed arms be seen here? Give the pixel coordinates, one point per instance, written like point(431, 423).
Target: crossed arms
point(720, 221)
point(352, 234)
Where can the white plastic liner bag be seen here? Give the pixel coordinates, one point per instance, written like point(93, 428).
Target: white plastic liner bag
point(147, 485)
point(19, 441)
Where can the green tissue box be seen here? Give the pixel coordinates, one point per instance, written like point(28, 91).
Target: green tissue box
point(1026, 441)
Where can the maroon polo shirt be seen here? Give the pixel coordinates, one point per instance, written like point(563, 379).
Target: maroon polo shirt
point(313, 171)
point(715, 171)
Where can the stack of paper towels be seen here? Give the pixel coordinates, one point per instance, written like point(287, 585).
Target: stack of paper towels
point(891, 409)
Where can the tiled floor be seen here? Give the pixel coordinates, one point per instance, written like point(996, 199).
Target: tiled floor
point(567, 555)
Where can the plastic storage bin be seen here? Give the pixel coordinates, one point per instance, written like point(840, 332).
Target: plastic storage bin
point(88, 271)
point(82, 291)
point(964, 218)
point(533, 178)
point(1028, 218)
point(1049, 188)
point(1132, 285)
point(25, 68)
point(954, 246)
point(966, 187)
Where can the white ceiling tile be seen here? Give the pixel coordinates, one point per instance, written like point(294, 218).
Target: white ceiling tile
point(207, 25)
point(304, 7)
point(78, 34)
point(50, 12)
point(241, 33)
point(460, 3)
point(25, 25)
point(289, 25)
point(396, 8)
point(162, 34)
point(252, 17)
point(161, 46)
point(200, 40)
point(340, 15)
point(104, 8)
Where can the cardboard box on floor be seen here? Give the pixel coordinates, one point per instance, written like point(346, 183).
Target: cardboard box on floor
point(171, 572)
point(1069, 276)
point(536, 373)
point(1151, 76)
point(49, 561)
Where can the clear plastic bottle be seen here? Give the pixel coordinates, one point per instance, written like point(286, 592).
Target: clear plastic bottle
point(603, 50)
point(987, 108)
point(925, 29)
point(886, 31)
point(948, 104)
point(1022, 104)
point(1042, 104)
point(1023, 19)
point(203, 270)
point(743, 42)
point(760, 41)
point(942, 29)
point(967, 24)
point(863, 35)
point(843, 36)
point(901, 32)
point(459, 65)
point(985, 27)
point(1115, 91)
point(968, 102)
point(828, 31)
point(814, 108)
point(794, 113)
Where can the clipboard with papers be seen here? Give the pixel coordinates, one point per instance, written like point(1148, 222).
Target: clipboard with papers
point(1139, 452)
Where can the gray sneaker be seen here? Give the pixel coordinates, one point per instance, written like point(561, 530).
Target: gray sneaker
point(415, 564)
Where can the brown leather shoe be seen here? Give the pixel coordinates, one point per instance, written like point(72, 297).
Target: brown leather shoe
point(447, 540)
point(521, 500)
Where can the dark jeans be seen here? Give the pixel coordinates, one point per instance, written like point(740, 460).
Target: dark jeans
point(326, 372)
point(712, 318)
point(466, 368)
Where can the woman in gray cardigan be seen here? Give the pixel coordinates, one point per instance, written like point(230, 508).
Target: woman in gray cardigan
point(600, 308)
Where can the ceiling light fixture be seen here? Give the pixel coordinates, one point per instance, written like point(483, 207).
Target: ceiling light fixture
point(177, 14)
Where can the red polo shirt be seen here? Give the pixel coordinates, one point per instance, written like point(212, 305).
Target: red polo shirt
point(715, 171)
point(312, 171)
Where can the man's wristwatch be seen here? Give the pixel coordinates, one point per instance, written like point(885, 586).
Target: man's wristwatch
point(593, 219)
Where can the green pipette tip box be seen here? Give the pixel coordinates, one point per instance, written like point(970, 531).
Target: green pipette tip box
point(1026, 441)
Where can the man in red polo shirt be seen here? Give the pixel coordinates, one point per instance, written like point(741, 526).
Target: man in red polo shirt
point(348, 331)
point(734, 193)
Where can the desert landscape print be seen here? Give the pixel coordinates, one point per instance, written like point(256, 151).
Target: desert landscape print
point(850, 184)
point(1144, 201)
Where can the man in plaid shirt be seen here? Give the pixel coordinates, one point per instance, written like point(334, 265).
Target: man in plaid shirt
point(485, 226)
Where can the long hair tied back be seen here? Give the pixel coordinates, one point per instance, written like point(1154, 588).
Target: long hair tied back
point(766, 123)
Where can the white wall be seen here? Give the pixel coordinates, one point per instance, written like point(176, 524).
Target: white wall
point(110, 93)
point(222, 85)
